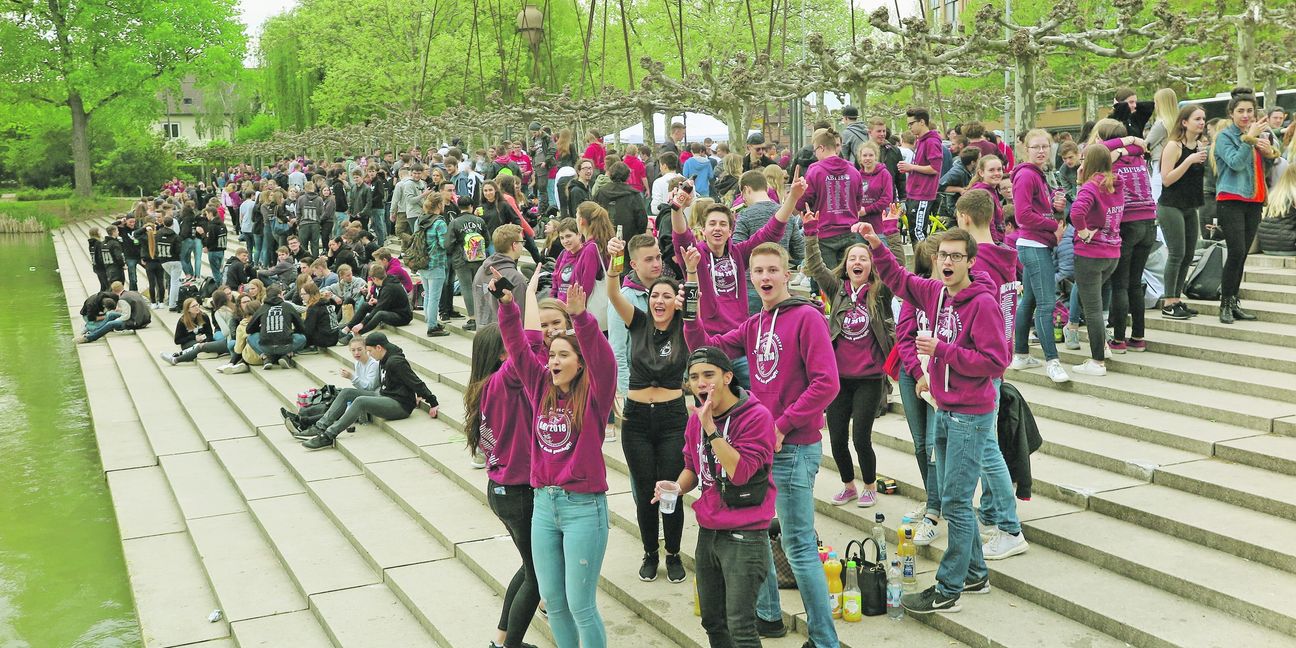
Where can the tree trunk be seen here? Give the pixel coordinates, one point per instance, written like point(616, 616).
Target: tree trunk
point(1090, 108)
point(859, 95)
point(1246, 53)
point(1271, 91)
point(736, 118)
point(821, 107)
point(1024, 106)
point(649, 128)
point(80, 146)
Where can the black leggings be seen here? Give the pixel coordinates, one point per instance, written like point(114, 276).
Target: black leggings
point(652, 437)
point(157, 280)
point(1239, 221)
point(856, 406)
point(372, 319)
point(513, 506)
point(1137, 239)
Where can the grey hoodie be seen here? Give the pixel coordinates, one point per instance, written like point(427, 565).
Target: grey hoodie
point(486, 306)
point(854, 135)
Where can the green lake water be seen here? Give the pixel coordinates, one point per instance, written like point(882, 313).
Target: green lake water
point(63, 580)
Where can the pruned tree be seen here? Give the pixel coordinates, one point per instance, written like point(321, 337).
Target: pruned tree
point(729, 89)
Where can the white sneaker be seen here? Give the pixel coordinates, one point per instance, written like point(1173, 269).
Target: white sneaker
point(239, 368)
point(925, 533)
point(916, 514)
point(1055, 372)
point(1025, 362)
point(167, 358)
point(986, 533)
point(221, 369)
point(1071, 338)
point(1090, 368)
point(478, 461)
point(1004, 545)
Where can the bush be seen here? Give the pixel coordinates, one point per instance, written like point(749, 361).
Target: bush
point(138, 163)
point(52, 193)
point(258, 130)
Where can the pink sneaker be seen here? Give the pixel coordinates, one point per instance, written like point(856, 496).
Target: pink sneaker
point(867, 498)
point(1117, 346)
point(1136, 346)
point(845, 496)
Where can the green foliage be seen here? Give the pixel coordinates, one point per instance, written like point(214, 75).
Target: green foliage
point(258, 129)
point(50, 193)
point(43, 158)
point(137, 164)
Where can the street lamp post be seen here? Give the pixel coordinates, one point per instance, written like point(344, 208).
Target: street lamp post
point(530, 23)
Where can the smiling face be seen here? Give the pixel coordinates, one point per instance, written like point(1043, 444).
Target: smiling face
point(867, 159)
point(585, 172)
point(878, 133)
point(552, 321)
point(647, 263)
point(716, 230)
point(661, 303)
point(859, 263)
point(564, 362)
point(488, 192)
point(571, 241)
point(1195, 125)
point(769, 275)
point(992, 170)
point(1243, 114)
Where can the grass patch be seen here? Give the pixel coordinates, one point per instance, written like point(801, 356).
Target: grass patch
point(46, 215)
point(52, 193)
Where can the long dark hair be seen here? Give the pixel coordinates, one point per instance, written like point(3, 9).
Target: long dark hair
point(487, 347)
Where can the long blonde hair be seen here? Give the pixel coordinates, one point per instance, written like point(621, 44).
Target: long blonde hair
point(1282, 198)
point(776, 178)
point(1166, 105)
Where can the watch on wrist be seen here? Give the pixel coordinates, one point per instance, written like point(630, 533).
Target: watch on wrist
point(712, 436)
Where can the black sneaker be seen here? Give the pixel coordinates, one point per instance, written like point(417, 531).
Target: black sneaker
point(287, 363)
point(316, 442)
point(523, 645)
point(771, 629)
point(1192, 312)
point(928, 601)
point(291, 421)
point(308, 350)
point(1175, 311)
point(439, 331)
point(977, 587)
point(470, 326)
point(675, 569)
point(648, 570)
point(453, 315)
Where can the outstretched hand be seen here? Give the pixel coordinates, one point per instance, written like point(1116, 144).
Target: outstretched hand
point(575, 300)
point(691, 258)
point(507, 296)
point(866, 230)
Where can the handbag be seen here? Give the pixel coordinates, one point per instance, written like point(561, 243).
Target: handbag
point(734, 495)
point(782, 568)
point(871, 576)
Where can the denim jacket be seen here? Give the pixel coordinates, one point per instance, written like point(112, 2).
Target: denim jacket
point(1235, 163)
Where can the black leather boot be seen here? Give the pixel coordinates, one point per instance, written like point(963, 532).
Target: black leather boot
point(1238, 313)
point(1226, 310)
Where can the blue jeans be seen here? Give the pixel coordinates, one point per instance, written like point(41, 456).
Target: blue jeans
point(175, 271)
point(191, 256)
point(339, 223)
point(216, 259)
point(960, 444)
point(1039, 278)
point(570, 531)
point(378, 224)
point(111, 322)
point(433, 283)
point(254, 339)
point(132, 273)
point(920, 417)
point(998, 498)
point(795, 468)
point(267, 245)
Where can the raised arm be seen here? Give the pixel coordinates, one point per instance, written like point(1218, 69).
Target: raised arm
point(623, 307)
point(529, 368)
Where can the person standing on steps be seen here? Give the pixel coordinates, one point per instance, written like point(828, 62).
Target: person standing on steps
point(794, 372)
point(922, 175)
point(654, 414)
point(571, 399)
point(467, 250)
point(967, 351)
point(1137, 234)
point(499, 429)
point(1183, 176)
point(729, 440)
point(1242, 155)
point(1096, 215)
point(508, 243)
point(862, 333)
point(400, 392)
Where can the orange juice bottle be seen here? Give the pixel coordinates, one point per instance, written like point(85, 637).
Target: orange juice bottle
point(832, 570)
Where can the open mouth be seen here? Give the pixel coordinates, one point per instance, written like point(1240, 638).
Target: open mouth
point(857, 272)
point(948, 273)
point(767, 288)
point(659, 310)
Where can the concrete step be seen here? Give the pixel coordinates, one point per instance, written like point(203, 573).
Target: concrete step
point(1195, 400)
point(1266, 292)
point(171, 591)
point(1269, 261)
point(294, 628)
point(1224, 378)
point(1255, 488)
point(1238, 353)
point(1269, 276)
point(1264, 310)
point(1209, 329)
point(1271, 452)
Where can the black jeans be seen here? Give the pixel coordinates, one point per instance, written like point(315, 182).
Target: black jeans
point(513, 506)
point(447, 294)
point(731, 567)
point(652, 437)
point(1239, 221)
point(372, 319)
point(157, 280)
point(1090, 275)
point(920, 213)
point(855, 407)
point(1137, 239)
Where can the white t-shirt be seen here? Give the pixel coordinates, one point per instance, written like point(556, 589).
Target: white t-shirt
point(660, 192)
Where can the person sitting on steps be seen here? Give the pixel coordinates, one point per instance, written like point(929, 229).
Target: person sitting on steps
point(391, 305)
point(365, 377)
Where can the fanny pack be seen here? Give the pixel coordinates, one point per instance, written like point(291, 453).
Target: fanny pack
point(737, 495)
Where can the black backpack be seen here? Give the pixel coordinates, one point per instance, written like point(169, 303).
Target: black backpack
point(1206, 277)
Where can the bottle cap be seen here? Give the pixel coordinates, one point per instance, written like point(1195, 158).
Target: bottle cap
point(878, 517)
point(908, 531)
point(850, 564)
point(832, 555)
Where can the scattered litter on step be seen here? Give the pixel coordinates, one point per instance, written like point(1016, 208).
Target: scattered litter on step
point(215, 616)
point(31, 268)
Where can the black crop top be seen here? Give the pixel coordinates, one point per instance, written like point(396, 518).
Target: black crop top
point(657, 358)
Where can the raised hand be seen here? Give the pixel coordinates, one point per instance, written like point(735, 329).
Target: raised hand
point(691, 259)
point(507, 296)
point(575, 300)
point(866, 230)
point(798, 188)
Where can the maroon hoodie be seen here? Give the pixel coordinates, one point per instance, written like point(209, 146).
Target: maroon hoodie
point(506, 427)
point(997, 223)
point(564, 453)
point(833, 189)
point(793, 368)
point(1136, 183)
point(928, 151)
point(1000, 263)
point(1033, 202)
point(907, 325)
point(749, 428)
point(725, 291)
point(875, 200)
point(971, 348)
point(1097, 209)
point(582, 268)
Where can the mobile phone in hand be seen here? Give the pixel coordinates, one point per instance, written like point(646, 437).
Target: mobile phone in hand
point(501, 284)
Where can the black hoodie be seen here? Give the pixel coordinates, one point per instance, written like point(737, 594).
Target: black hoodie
point(400, 383)
point(625, 206)
point(276, 323)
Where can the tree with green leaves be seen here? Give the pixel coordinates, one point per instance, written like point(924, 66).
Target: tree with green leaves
point(86, 55)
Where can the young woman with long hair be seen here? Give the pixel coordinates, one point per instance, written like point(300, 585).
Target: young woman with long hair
point(1165, 106)
point(989, 176)
point(585, 265)
point(1096, 214)
point(1277, 232)
point(571, 395)
point(1183, 174)
point(511, 212)
point(499, 430)
point(1137, 233)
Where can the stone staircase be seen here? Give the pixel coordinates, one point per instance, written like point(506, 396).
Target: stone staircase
point(1163, 514)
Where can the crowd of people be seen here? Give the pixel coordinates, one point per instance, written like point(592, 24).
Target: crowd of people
point(724, 305)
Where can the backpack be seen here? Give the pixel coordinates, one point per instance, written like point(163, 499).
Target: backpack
point(474, 247)
point(317, 396)
point(206, 288)
point(416, 256)
point(1205, 278)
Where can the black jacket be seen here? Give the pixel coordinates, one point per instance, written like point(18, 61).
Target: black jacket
point(187, 338)
point(575, 194)
point(237, 274)
point(166, 242)
point(393, 299)
point(276, 323)
point(319, 328)
point(93, 307)
point(400, 383)
point(130, 246)
point(96, 255)
point(1278, 235)
point(111, 254)
point(1019, 436)
point(214, 236)
point(625, 206)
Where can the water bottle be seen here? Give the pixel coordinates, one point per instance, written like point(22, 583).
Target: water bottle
point(852, 598)
point(617, 265)
point(894, 611)
point(879, 536)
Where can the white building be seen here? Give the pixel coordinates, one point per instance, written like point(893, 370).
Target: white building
point(184, 116)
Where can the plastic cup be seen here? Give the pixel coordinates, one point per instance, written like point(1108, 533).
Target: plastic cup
point(668, 500)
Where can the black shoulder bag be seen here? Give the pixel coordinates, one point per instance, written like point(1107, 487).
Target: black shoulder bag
point(737, 495)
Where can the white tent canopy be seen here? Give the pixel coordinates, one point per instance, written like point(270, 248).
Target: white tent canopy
point(700, 127)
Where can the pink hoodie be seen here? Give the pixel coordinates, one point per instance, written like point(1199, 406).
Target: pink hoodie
point(395, 269)
point(506, 427)
point(582, 268)
point(725, 291)
point(1096, 209)
point(564, 453)
point(793, 368)
point(971, 348)
point(637, 172)
point(833, 189)
point(1033, 202)
point(749, 428)
point(996, 223)
point(1000, 263)
point(1136, 183)
point(907, 325)
point(875, 200)
point(928, 151)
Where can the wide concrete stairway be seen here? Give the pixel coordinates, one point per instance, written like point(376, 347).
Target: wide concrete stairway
point(1164, 508)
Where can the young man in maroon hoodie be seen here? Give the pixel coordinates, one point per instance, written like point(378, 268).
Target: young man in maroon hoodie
point(922, 176)
point(833, 188)
point(793, 373)
point(966, 353)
